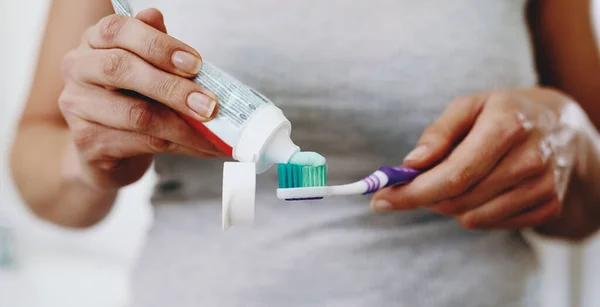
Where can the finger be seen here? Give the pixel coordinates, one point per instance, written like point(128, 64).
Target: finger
point(132, 113)
point(526, 195)
point(537, 216)
point(118, 158)
point(153, 18)
point(525, 161)
point(494, 133)
point(117, 68)
point(154, 46)
point(101, 143)
point(437, 140)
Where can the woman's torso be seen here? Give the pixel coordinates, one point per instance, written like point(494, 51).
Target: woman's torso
point(359, 80)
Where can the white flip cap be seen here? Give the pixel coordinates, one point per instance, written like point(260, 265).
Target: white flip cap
point(239, 192)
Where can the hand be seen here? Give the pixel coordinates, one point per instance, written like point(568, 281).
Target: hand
point(495, 160)
point(124, 85)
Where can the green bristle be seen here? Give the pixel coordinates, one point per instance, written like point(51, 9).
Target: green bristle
point(299, 176)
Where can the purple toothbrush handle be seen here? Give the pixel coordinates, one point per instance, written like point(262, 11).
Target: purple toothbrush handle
point(399, 174)
point(396, 175)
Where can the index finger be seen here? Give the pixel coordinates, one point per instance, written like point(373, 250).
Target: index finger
point(439, 137)
point(494, 134)
point(149, 43)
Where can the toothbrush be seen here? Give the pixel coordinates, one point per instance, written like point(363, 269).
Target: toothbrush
point(382, 178)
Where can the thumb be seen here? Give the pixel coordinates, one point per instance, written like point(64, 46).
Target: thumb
point(439, 138)
point(153, 18)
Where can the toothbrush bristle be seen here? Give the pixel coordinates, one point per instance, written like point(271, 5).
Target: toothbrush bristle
point(301, 176)
point(300, 199)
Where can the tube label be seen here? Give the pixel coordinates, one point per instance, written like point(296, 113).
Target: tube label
point(237, 103)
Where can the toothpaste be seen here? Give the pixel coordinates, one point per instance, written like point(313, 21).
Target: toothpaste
point(248, 127)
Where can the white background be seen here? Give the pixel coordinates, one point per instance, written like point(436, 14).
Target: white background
point(58, 267)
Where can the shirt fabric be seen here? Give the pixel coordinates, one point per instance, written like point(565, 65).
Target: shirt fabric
point(359, 80)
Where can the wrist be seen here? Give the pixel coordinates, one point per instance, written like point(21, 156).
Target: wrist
point(74, 171)
point(81, 202)
point(581, 204)
point(587, 146)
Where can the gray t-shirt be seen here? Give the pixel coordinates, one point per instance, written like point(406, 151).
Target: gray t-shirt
point(359, 80)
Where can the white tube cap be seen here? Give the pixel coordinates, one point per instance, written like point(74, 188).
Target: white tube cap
point(239, 192)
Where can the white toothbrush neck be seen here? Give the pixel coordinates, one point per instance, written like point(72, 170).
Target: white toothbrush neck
point(369, 184)
point(355, 188)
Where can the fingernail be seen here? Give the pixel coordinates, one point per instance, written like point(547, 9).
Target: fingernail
point(381, 205)
point(417, 154)
point(201, 104)
point(186, 62)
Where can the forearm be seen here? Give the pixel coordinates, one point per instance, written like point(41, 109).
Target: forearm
point(567, 59)
point(45, 172)
point(566, 51)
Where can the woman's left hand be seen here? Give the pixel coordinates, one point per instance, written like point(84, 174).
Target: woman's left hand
point(496, 160)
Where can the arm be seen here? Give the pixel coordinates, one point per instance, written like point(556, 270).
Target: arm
point(567, 54)
point(568, 59)
point(43, 135)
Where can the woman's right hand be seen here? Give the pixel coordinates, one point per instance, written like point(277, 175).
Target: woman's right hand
point(124, 87)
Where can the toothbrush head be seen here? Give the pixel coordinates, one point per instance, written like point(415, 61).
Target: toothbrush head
point(306, 193)
point(308, 179)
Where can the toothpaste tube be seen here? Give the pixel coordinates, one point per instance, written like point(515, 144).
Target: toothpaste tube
point(248, 127)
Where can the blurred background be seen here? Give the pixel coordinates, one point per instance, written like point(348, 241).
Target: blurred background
point(43, 265)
